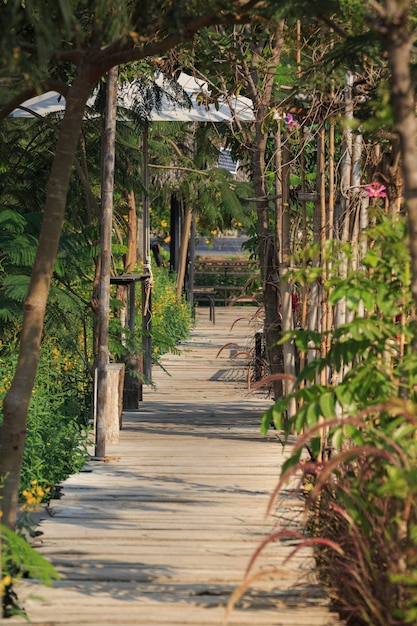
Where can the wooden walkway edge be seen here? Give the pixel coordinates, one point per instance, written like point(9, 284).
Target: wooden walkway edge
point(162, 534)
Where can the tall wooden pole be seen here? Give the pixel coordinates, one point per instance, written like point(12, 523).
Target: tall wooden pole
point(105, 257)
point(185, 238)
point(147, 269)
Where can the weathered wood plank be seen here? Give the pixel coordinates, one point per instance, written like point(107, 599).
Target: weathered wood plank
point(162, 534)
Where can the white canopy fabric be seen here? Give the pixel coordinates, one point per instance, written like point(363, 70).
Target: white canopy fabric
point(201, 109)
point(47, 103)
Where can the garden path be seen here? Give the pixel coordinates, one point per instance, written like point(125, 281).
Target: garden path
point(161, 533)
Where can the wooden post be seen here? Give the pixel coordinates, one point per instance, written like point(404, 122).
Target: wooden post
point(133, 391)
point(115, 382)
point(105, 255)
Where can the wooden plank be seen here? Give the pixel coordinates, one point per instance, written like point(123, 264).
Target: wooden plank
point(162, 533)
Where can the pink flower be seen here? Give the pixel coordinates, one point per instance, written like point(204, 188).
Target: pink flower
point(290, 121)
point(376, 190)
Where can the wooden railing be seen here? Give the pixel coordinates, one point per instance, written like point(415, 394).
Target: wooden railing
point(230, 279)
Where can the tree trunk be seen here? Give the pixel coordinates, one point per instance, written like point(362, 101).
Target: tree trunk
point(105, 255)
point(279, 200)
point(268, 260)
point(285, 285)
point(185, 237)
point(16, 401)
point(399, 42)
point(267, 244)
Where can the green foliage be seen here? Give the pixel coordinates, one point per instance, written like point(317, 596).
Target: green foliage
point(171, 320)
point(57, 433)
point(19, 559)
point(364, 353)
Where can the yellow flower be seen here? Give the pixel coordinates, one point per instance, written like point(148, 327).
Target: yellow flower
point(6, 582)
point(164, 223)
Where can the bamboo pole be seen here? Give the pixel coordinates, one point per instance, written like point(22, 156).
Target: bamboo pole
point(278, 192)
point(343, 219)
point(323, 251)
point(314, 313)
point(322, 206)
point(285, 286)
point(356, 214)
point(331, 210)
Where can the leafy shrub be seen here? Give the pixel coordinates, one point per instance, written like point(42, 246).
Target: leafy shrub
point(359, 477)
point(171, 319)
point(58, 415)
point(56, 447)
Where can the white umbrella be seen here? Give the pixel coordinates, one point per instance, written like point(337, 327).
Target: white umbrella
point(201, 109)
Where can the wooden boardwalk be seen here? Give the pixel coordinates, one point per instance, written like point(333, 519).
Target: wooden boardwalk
point(162, 534)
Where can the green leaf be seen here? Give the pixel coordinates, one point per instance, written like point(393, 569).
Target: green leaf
point(313, 414)
point(340, 291)
point(327, 405)
point(346, 398)
point(315, 444)
point(368, 298)
point(292, 461)
point(26, 558)
point(274, 415)
point(300, 418)
point(372, 259)
point(338, 438)
point(354, 433)
point(266, 421)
